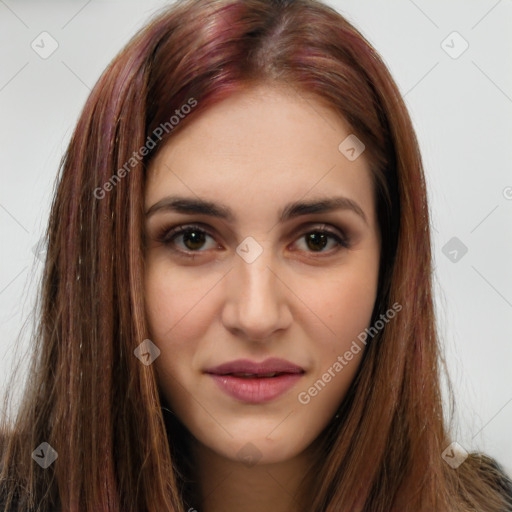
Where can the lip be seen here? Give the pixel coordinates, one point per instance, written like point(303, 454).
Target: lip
point(273, 364)
point(256, 389)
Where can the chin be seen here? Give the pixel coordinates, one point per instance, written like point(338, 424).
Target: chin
point(254, 447)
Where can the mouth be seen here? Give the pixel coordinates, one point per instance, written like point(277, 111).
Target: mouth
point(247, 368)
point(253, 382)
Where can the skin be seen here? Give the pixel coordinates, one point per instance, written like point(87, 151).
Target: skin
point(256, 151)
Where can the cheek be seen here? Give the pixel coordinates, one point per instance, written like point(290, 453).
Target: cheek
point(351, 307)
point(171, 298)
point(345, 304)
point(178, 316)
point(168, 314)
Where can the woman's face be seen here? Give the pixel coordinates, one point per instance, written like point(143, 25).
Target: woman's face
point(257, 279)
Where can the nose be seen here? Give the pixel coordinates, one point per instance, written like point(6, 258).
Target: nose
point(256, 304)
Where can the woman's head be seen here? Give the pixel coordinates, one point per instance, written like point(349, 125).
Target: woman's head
point(252, 105)
point(271, 125)
point(280, 111)
point(254, 286)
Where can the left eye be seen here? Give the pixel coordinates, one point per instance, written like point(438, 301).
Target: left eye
point(319, 238)
point(194, 237)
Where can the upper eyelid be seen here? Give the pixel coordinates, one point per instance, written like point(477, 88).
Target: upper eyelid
point(312, 225)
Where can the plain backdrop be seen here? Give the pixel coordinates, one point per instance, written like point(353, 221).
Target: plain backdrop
point(451, 60)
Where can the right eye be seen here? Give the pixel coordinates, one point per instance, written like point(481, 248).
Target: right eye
point(192, 238)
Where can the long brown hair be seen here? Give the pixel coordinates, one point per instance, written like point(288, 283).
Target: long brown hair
point(93, 401)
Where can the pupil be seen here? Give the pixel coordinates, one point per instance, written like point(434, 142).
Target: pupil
point(195, 238)
point(316, 238)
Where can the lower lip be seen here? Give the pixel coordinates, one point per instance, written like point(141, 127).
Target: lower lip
point(256, 390)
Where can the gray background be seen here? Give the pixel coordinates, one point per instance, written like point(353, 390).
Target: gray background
point(462, 112)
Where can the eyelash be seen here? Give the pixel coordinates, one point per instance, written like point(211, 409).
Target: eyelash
point(167, 236)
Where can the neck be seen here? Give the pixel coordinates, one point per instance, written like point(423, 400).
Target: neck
point(227, 485)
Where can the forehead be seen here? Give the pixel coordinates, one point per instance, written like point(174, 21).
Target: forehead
point(261, 144)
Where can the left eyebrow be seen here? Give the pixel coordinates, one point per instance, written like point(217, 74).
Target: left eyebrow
point(189, 205)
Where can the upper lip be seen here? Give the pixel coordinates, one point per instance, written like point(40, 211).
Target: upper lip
point(271, 365)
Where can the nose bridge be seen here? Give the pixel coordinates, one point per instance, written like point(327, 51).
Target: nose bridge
point(255, 294)
point(254, 275)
